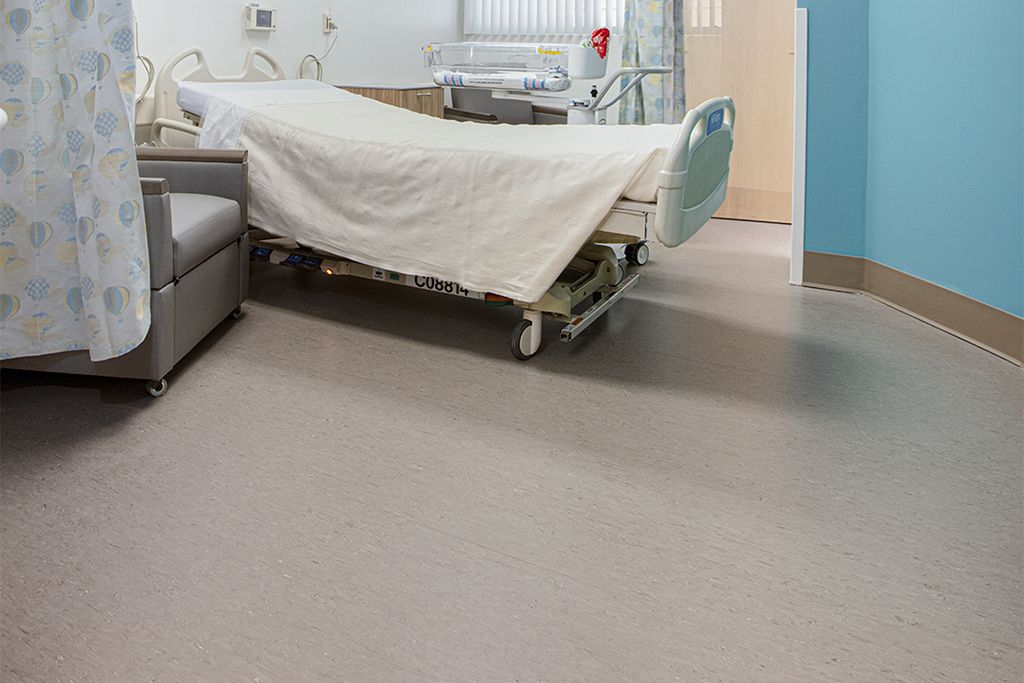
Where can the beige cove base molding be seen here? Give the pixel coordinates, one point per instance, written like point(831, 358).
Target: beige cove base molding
point(990, 328)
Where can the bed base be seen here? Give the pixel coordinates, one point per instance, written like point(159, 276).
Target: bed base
point(593, 282)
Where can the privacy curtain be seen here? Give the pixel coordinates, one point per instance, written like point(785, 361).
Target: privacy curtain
point(653, 36)
point(74, 270)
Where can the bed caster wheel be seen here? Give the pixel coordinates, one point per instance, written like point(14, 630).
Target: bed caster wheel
point(638, 254)
point(237, 313)
point(157, 389)
point(525, 340)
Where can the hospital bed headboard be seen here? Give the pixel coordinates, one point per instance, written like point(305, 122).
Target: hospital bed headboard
point(692, 185)
point(166, 93)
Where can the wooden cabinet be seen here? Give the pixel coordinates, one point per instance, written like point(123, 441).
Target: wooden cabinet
point(425, 99)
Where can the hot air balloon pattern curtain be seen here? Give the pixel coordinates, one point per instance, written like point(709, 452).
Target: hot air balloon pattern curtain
point(74, 269)
point(653, 36)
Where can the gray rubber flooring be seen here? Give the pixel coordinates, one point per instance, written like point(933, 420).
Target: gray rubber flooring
point(727, 479)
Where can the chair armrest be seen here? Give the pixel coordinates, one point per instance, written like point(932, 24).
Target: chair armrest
point(155, 186)
point(156, 205)
point(217, 172)
point(236, 156)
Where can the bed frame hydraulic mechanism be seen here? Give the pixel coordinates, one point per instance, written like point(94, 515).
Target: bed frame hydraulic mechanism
point(594, 281)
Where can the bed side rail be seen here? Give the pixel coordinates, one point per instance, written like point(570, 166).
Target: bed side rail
point(694, 180)
point(156, 137)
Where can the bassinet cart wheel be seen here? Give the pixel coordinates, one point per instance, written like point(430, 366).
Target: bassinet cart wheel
point(158, 388)
point(638, 254)
point(522, 341)
point(237, 313)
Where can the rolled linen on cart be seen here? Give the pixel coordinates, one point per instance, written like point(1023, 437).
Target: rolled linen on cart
point(553, 81)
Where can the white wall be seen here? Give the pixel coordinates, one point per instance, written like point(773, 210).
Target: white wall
point(380, 39)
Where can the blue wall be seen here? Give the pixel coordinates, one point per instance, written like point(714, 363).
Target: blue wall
point(945, 192)
point(943, 159)
point(837, 125)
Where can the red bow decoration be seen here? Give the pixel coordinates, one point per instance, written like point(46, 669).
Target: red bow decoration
point(599, 41)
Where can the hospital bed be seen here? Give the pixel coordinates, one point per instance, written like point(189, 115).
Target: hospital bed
point(563, 260)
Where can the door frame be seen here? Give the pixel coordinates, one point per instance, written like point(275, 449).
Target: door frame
point(796, 258)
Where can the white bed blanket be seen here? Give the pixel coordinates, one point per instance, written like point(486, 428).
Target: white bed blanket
point(496, 208)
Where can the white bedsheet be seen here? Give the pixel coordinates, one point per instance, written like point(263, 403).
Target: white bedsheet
point(223, 105)
point(497, 208)
point(195, 96)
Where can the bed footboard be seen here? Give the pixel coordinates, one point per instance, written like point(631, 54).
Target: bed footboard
point(693, 182)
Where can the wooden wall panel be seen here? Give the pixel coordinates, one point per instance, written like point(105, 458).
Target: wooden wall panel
point(749, 57)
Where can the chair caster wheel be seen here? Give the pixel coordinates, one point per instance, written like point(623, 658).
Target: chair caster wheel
point(237, 313)
point(157, 389)
point(638, 254)
point(522, 341)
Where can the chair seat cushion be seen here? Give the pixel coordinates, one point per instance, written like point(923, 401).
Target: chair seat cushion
point(201, 225)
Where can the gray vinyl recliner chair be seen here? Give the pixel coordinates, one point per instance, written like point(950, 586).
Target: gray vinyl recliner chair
point(195, 203)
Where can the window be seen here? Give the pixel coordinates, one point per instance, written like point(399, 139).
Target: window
point(542, 17)
point(705, 16)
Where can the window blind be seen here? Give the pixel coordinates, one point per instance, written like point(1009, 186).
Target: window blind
point(705, 13)
point(542, 17)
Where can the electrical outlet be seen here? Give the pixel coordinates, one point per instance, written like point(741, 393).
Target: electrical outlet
point(329, 25)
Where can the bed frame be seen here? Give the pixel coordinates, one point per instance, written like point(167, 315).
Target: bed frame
point(691, 187)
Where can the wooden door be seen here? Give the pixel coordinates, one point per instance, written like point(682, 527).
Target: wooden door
point(744, 49)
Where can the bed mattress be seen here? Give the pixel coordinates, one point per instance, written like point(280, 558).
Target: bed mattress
point(495, 208)
point(194, 97)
